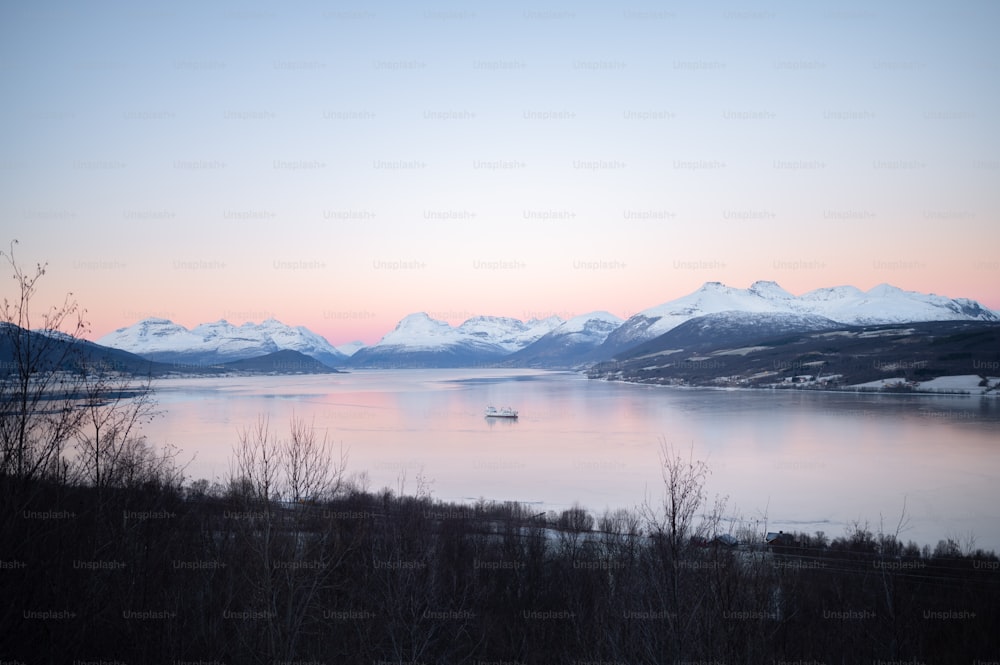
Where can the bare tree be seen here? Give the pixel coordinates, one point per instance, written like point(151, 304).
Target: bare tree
point(256, 463)
point(621, 532)
point(890, 547)
point(109, 443)
point(310, 470)
point(573, 524)
point(683, 494)
point(287, 558)
point(671, 526)
point(38, 384)
point(54, 392)
point(301, 468)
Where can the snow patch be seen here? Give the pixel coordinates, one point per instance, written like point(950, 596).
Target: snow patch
point(882, 383)
point(740, 352)
point(962, 382)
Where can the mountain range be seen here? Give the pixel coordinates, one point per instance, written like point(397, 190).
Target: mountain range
point(883, 304)
point(164, 341)
point(421, 341)
point(53, 351)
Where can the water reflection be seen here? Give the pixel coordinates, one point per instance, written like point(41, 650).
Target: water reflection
point(806, 461)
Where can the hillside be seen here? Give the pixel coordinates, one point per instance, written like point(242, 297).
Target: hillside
point(899, 356)
point(285, 361)
point(571, 344)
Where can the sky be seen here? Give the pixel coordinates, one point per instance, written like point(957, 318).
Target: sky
point(341, 165)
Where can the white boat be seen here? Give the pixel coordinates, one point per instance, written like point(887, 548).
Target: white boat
point(503, 412)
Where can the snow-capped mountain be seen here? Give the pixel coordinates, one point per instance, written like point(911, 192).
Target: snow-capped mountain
point(842, 304)
point(152, 336)
point(301, 339)
point(569, 344)
point(350, 348)
point(889, 304)
point(509, 334)
point(420, 341)
point(210, 343)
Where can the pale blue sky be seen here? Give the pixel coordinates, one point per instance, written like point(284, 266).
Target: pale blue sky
point(231, 160)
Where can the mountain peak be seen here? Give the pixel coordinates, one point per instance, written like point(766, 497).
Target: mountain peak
point(479, 322)
point(598, 315)
point(833, 293)
point(418, 330)
point(769, 289)
point(885, 290)
point(419, 318)
point(548, 319)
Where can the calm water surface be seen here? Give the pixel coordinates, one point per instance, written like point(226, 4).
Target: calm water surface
point(805, 461)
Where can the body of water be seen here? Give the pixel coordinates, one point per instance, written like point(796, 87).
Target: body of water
point(806, 461)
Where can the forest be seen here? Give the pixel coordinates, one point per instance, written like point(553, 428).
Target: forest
point(145, 570)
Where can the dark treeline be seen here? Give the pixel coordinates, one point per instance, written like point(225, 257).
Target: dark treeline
point(153, 573)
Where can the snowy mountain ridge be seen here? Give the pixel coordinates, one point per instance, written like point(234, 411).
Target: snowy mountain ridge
point(165, 341)
point(420, 332)
point(421, 341)
point(882, 304)
point(488, 339)
point(568, 345)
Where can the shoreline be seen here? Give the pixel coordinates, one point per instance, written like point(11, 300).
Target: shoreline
point(992, 394)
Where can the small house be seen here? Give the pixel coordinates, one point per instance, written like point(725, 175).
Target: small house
point(779, 539)
point(726, 540)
